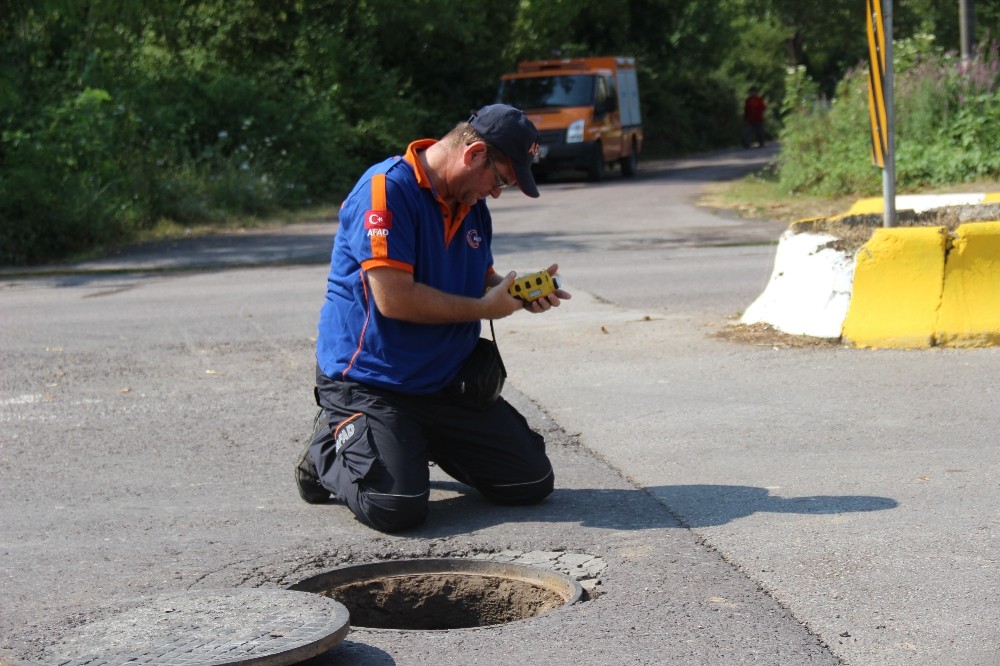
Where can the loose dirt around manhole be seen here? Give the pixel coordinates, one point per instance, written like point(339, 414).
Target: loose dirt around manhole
point(853, 231)
point(442, 601)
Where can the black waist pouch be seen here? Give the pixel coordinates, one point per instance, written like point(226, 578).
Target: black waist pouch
point(481, 378)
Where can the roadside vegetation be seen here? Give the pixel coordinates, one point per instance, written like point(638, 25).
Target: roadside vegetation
point(947, 127)
point(123, 120)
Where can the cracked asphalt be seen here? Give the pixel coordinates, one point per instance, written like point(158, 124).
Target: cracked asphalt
point(751, 505)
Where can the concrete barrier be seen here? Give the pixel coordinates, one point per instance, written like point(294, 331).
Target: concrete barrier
point(908, 287)
point(920, 203)
point(809, 289)
point(970, 300)
point(897, 288)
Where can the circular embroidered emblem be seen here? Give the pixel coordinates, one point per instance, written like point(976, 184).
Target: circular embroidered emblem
point(473, 238)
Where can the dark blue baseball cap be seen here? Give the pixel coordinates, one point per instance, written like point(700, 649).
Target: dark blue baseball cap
point(508, 130)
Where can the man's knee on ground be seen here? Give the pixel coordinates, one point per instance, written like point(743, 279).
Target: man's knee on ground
point(531, 492)
point(393, 513)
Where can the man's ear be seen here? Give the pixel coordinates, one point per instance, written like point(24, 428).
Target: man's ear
point(469, 154)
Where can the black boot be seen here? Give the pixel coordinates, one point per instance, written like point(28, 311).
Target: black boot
point(310, 489)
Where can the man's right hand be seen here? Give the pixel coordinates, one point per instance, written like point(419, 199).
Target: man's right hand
point(397, 296)
point(498, 301)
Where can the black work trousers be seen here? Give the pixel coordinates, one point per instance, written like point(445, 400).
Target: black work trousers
point(374, 453)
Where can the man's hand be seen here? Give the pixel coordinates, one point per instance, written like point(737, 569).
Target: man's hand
point(550, 301)
point(397, 296)
point(498, 300)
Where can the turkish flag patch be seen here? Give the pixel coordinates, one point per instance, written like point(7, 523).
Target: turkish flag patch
point(378, 219)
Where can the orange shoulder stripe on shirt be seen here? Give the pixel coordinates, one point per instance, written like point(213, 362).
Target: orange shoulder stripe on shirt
point(378, 191)
point(380, 244)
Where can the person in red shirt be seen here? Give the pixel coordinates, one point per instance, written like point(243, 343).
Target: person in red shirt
point(753, 119)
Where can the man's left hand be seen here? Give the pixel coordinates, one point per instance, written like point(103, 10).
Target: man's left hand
point(551, 300)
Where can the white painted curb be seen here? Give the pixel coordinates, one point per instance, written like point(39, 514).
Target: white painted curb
point(809, 290)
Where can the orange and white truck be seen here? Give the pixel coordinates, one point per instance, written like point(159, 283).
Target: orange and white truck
point(586, 109)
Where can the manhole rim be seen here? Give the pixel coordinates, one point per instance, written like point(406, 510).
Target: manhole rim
point(557, 582)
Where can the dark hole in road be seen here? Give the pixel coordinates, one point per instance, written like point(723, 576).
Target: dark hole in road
point(437, 594)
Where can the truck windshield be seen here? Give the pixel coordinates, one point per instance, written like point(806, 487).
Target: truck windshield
point(541, 92)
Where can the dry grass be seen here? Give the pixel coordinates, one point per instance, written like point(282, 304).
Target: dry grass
point(765, 335)
point(759, 196)
point(755, 198)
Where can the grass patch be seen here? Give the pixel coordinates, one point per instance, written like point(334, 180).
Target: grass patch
point(169, 229)
point(760, 196)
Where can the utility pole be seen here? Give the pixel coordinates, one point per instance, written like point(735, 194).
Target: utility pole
point(889, 172)
point(880, 101)
point(967, 28)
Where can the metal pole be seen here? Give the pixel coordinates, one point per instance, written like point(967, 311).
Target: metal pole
point(966, 26)
point(889, 171)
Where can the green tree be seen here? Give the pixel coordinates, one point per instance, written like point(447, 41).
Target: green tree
point(116, 114)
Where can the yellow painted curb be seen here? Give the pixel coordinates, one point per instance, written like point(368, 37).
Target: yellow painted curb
point(897, 288)
point(919, 202)
point(867, 206)
point(970, 300)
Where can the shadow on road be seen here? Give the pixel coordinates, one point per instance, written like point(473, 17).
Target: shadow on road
point(699, 505)
point(351, 652)
point(719, 165)
point(706, 505)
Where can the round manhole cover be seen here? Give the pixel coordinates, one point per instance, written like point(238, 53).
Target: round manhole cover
point(211, 628)
point(436, 594)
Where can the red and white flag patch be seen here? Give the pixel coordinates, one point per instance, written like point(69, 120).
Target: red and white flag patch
point(378, 219)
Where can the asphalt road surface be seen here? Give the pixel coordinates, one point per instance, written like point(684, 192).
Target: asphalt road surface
point(753, 504)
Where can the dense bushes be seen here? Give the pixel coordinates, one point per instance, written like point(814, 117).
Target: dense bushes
point(92, 168)
point(62, 174)
point(686, 114)
point(947, 125)
point(115, 114)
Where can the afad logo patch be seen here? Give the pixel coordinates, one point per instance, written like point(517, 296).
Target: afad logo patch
point(344, 435)
point(378, 222)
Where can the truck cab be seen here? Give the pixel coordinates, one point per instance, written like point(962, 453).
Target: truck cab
point(586, 109)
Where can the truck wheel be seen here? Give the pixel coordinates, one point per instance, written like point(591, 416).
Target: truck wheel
point(595, 172)
point(630, 163)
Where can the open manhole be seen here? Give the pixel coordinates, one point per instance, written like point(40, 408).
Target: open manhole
point(436, 594)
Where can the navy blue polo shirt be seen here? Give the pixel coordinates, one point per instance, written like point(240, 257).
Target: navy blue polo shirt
point(393, 218)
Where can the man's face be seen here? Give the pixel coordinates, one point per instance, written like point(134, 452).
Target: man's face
point(484, 177)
